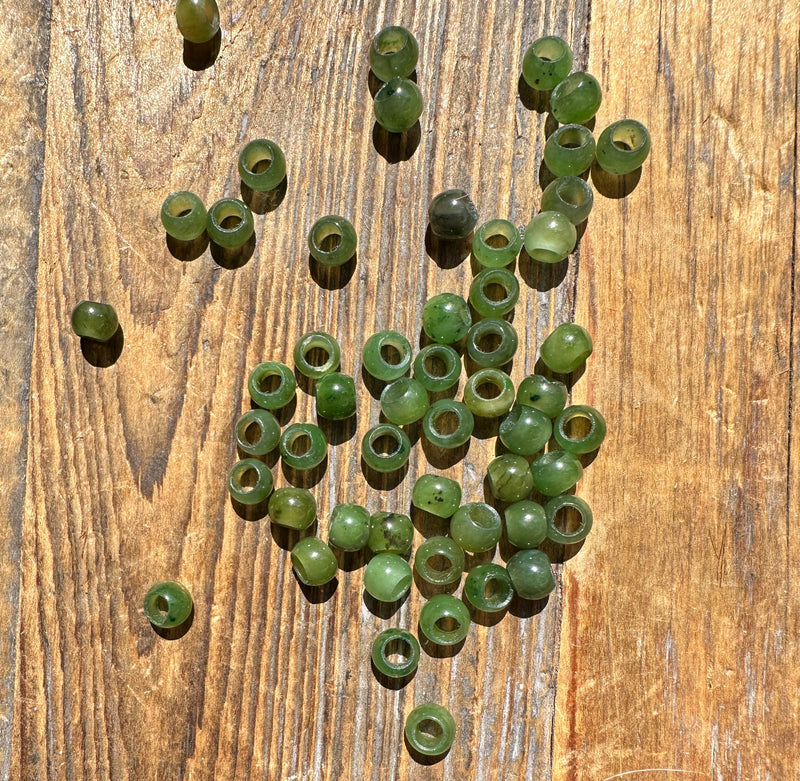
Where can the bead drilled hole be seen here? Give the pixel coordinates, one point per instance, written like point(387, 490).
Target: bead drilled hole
point(269, 383)
point(447, 624)
point(253, 432)
point(391, 354)
point(574, 196)
point(439, 563)
point(446, 422)
point(496, 241)
point(572, 138)
point(259, 161)
point(180, 207)
point(385, 445)
point(480, 516)
point(397, 651)
point(487, 390)
point(328, 238)
point(162, 605)
point(577, 428)
point(494, 591)
point(316, 356)
point(430, 731)
point(489, 341)
point(391, 42)
point(300, 445)
point(495, 291)
point(568, 520)
point(548, 50)
point(436, 366)
point(627, 138)
point(247, 479)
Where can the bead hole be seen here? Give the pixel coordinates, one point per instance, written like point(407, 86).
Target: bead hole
point(568, 520)
point(435, 366)
point(385, 445)
point(496, 241)
point(228, 217)
point(316, 356)
point(480, 516)
point(231, 223)
point(489, 341)
point(548, 50)
point(574, 196)
point(440, 563)
point(391, 42)
point(328, 238)
point(495, 590)
point(248, 479)
point(269, 383)
point(430, 731)
point(446, 422)
point(162, 605)
point(300, 445)
point(577, 428)
point(626, 138)
point(572, 138)
point(487, 390)
point(391, 354)
point(397, 651)
point(253, 432)
point(180, 206)
point(494, 291)
point(447, 624)
point(258, 161)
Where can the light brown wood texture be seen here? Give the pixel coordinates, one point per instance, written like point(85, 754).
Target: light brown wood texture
point(667, 651)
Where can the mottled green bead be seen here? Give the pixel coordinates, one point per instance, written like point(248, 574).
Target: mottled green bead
point(430, 729)
point(496, 243)
point(526, 524)
point(386, 355)
point(398, 105)
point(385, 448)
point(579, 429)
point(568, 527)
point(271, 385)
point(531, 574)
point(332, 240)
point(570, 150)
point(437, 495)
point(547, 62)
point(492, 342)
point(391, 644)
point(437, 367)
point(525, 430)
point(94, 320)
point(448, 424)
point(303, 446)
point(262, 165)
point(439, 561)
point(550, 237)
point(390, 533)
point(336, 396)
point(184, 216)
point(510, 478)
point(168, 604)
point(444, 620)
point(452, 215)
point(494, 292)
point(446, 318)
point(476, 527)
point(542, 393)
point(387, 577)
point(566, 348)
point(229, 223)
point(198, 20)
point(294, 508)
point(316, 354)
point(313, 561)
point(489, 393)
point(257, 432)
point(348, 527)
point(623, 146)
point(569, 195)
point(250, 481)
point(488, 588)
point(404, 401)
point(576, 98)
point(394, 52)
point(556, 472)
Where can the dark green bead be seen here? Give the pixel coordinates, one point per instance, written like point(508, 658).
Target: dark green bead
point(250, 481)
point(526, 524)
point(303, 446)
point(386, 355)
point(488, 588)
point(580, 429)
point(567, 348)
point(489, 393)
point(390, 533)
point(394, 52)
point(566, 528)
point(550, 237)
point(496, 243)
point(348, 528)
point(184, 216)
point(448, 423)
point(525, 430)
point(168, 604)
point(452, 215)
point(569, 151)
point(313, 561)
point(385, 448)
point(390, 644)
point(446, 318)
point(556, 472)
point(198, 20)
point(262, 165)
point(531, 574)
point(510, 478)
point(444, 620)
point(437, 367)
point(430, 729)
point(576, 98)
point(387, 577)
point(623, 146)
point(316, 354)
point(94, 320)
point(547, 62)
point(437, 495)
point(439, 561)
point(494, 292)
point(492, 342)
point(404, 401)
point(257, 432)
point(336, 396)
point(294, 508)
point(569, 195)
point(229, 223)
point(332, 240)
point(476, 527)
point(398, 105)
point(271, 385)
point(543, 394)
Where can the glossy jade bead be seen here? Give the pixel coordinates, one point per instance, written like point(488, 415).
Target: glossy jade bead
point(488, 588)
point(404, 401)
point(494, 292)
point(542, 393)
point(550, 237)
point(579, 429)
point(294, 508)
point(623, 146)
point(316, 354)
point(391, 644)
point(569, 151)
point(168, 604)
point(271, 385)
point(556, 472)
point(562, 525)
point(303, 446)
point(525, 430)
point(394, 52)
point(531, 574)
point(257, 432)
point(439, 561)
point(576, 98)
point(387, 577)
point(313, 561)
point(184, 216)
point(390, 533)
point(386, 355)
point(430, 729)
point(526, 524)
point(496, 243)
point(510, 478)
point(250, 481)
point(332, 240)
point(476, 527)
point(437, 367)
point(348, 527)
point(569, 195)
point(492, 342)
point(547, 62)
point(229, 223)
point(448, 424)
point(385, 448)
point(336, 396)
point(446, 318)
point(566, 348)
point(444, 620)
point(198, 20)
point(262, 165)
point(93, 320)
point(452, 215)
point(437, 495)
point(489, 393)
point(398, 105)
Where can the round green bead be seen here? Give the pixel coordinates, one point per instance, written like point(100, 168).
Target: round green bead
point(623, 146)
point(332, 240)
point(444, 620)
point(385, 448)
point(184, 216)
point(437, 495)
point(566, 348)
point(526, 524)
point(348, 528)
point(391, 643)
point(386, 355)
point(446, 318)
point(476, 527)
point(566, 530)
point(404, 401)
point(437, 367)
point(543, 394)
point(316, 354)
point(570, 150)
point(250, 481)
point(584, 438)
point(448, 424)
point(439, 561)
point(303, 446)
point(569, 195)
point(387, 577)
point(198, 20)
point(294, 508)
point(313, 561)
point(556, 472)
point(394, 52)
point(496, 243)
point(489, 393)
point(576, 98)
point(262, 165)
point(494, 292)
point(531, 574)
point(525, 430)
point(492, 342)
point(93, 320)
point(271, 385)
point(257, 432)
point(430, 729)
point(390, 533)
point(547, 62)
point(229, 223)
point(168, 604)
point(336, 396)
point(398, 105)
point(550, 237)
point(452, 215)
point(510, 478)
point(488, 588)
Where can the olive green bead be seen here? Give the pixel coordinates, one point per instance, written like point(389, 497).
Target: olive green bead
point(575, 100)
point(488, 588)
point(387, 577)
point(390, 533)
point(316, 354)
point(446, 318)
point(386, 355)
point(257, 432)
point(313, 561)
point(394, 52)
point(496, 243)
point(623, 146)
point(568, 530)
point(566, 348)
point(303, 446)
point(492, 342)
point(439, 561)
point(444, 620)
point(336, 396)
point(198, 20)
point(437, 495)
point(184, 216)
point(393, 643)
point(229, 223)
point(262, 165)
point(385, 448)
point(430, 729)
point(579, 429)
point(294, 508)
point(526, 524)
point(437, 367)
point(494, 292)
point(569, 195)
point(542, 393)
point(271, 385)
point(332, 240)
point(250, 481)
point(510, 478)
point(531, 574)
point(93, 320)
point(550, 237)
point(556, 472)
point(525, 430)
point(348, 527)
point(452, 215)
point(547, 62)
point(168, 604)
point(489, 393)
point(569, 151)
point(398, 105)
point(448, 424)
point(476, 527)
point(404, 401)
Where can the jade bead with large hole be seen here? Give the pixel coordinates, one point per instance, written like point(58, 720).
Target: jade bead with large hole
point(623, 146)
point(566, 530)
point(313, 561)
point(526, 524)
point(446, 318)
point(437, 495)
point(492, 342)
point(348, 527)
point(394, 52)
point(444, 620)
point(398, 105)
point(229, 223)
point(437, 367)
point(556, 472)
point(579, 429)
point(385, 448)
point(390, 532)
point(494, 292)
point(542, 393)
point(404, 401)
point(448, 423)
point(488, 588)
point(294, 508)
point(336, 396)
point(576, 98)
point(547, 62)
point(250, 481)
point(439, 561)
point(395, 653)
point(387, 577)
point(496, 243)
point(550, 237)
point(332, 240)
point(476, 527)
point(168, 604)
point(525, 430)
point(566, 348)
point(94, 320)
point(271, 385)
point(386, 355)
point(430, 729)
point(303, 446)
point(531, 574)
point(510, 478)
point(489, 393)
point(257, 432)
point(569, 151)
point(569, 195)
point(262, 165)
point(184, 216)
point(316, 354)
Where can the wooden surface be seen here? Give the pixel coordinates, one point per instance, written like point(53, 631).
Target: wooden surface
point(669, 649)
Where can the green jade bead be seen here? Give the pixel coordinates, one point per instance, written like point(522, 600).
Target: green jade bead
point(386, 356)
point(398, 105)
point(569, 195)
point(494, 292)
point(550, 237)
point(303, 446)
point(575, 100)
point(488, 588)
point(547, 62)
point(250, 481)
point(489, 393)
point(316, 354)
point(540, 392)
point(184, 216)
point(293, 508)
point(198, 20)
point(566, 348)
point(439, 561)
point(430, 729)
point(444, 620)
point(437, 367)
point(476, 527)
point(526, 524)
point(564, 528)
point(440, 496)
point(390, 532)
point(531, 574)
point(492, 342)
point(510, 478)
point(569, 151)
point(394, 52)
point(385, 448)
point(393, 643)
point(348, 528)
point(262, 165)
point(496, 243)
point(525, 430)
point(313, 561)
point(257, 432)
point(452, 215)
point(387, 577)
point(271, 385)
point(623, 147)
point(556, 472)
point(448, 424)
point(446, 318)
point(229, 223)
point(93, 320)
point(404, 401)
point(579, 429)
point(336, 396)
point(168, 604)
point(332, 240)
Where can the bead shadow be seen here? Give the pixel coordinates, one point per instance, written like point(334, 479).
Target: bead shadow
point(527, 608)
point(318, 594)
point(541, 276)
point(383, 609)
point(540, 367)
point(396, 147)
point(394, 684)
point(472, 560)
point(305, 478)
point(332, 277)
point(232, 258)
point(175, 632)
point(546, 176)
point(437, 651)
point(101, 355)
point(287, 538)
point(250, 512)
point(270, 459)
point(429, 590)
point(383, 481)
point(187, 250)
point(482, 617)
point(350, 560)
point(372, 384)
point(587, 459)
point(447, 253)
point(613, 185)
point(442, 458)
point(423, 759)
point(428, 524)
point(200, 56)
point(264, 201)
point(282, 415)
point(537, 100)
point(486, 428)
point(558, 553)
point(338, 432)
